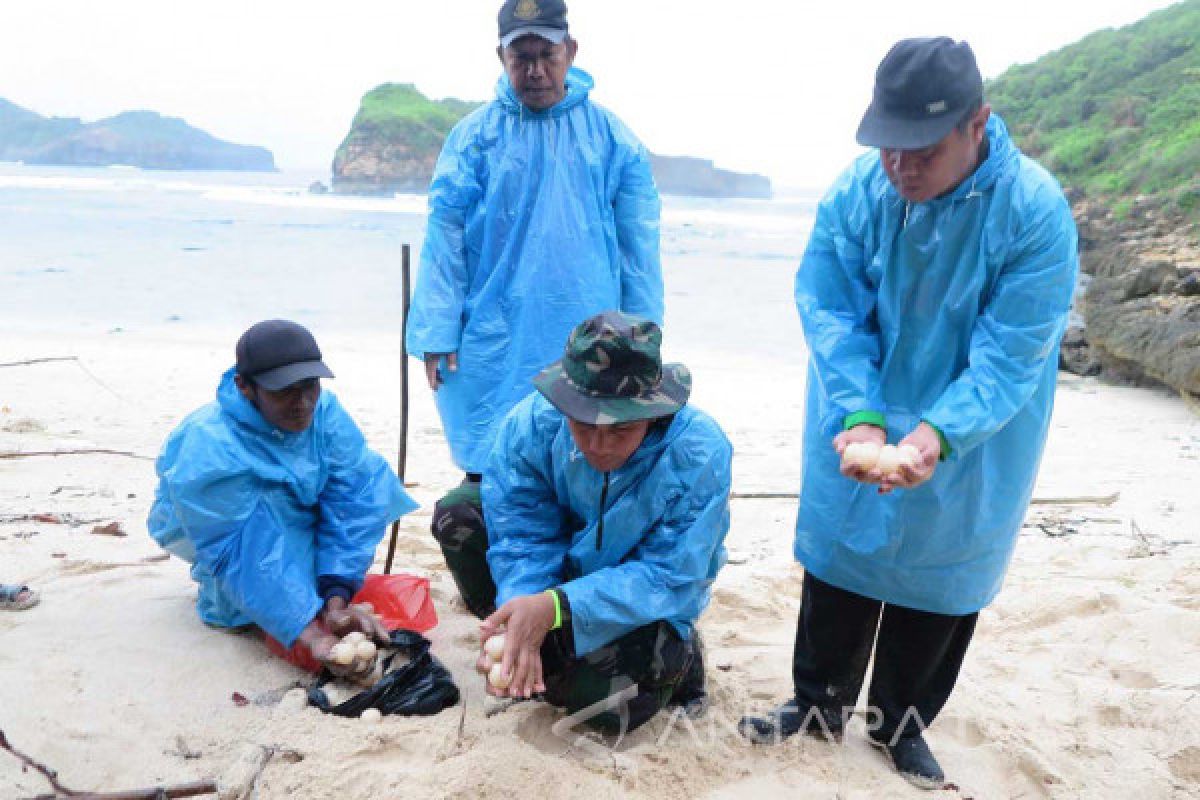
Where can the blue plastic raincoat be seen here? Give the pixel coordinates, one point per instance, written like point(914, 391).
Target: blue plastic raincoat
point(949, 311)
point(537, 221)
point(261, 513)
point(628, 547)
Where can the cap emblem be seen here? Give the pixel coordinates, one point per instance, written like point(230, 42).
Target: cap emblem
point(527, 10)
point(936, 108)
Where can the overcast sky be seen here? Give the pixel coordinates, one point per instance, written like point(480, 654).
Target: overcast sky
point(771, 86)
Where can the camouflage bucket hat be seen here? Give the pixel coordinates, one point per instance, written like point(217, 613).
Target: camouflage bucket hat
point(612, 372)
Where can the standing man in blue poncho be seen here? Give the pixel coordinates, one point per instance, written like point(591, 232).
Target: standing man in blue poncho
point(273, 496)
point(542, 212)
point(934, 292)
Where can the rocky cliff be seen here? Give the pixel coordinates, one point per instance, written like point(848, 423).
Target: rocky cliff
point(395, 138)
point(1116, 117)
point(135, 138)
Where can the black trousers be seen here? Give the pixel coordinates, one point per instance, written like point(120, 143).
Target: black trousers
point(918, 656)
point(654, 658)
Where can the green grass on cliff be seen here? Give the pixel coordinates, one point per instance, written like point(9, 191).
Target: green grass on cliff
point(1118, 113)
point(397, 111)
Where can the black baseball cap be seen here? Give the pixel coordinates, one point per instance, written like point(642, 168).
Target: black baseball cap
point(544, 18)
point(276, 353)
point(923, 88)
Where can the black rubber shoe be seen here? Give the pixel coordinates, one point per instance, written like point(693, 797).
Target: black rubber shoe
point(788, 720)
point(690, 695)
point(912, 758)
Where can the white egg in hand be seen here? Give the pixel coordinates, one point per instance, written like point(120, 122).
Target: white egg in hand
point(497, 678)
point(889, 459)
point(861, 455)
point(910, 455)
point(494, 647)
point(342, 653)
point(365, 650)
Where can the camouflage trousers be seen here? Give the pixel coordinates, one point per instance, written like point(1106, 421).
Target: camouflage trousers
point(617, 687)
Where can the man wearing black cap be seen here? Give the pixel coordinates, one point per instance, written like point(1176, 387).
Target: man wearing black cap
point(542, 212)
point(933, 292)
point(274, 498)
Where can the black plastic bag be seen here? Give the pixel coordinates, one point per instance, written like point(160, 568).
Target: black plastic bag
point(421, 687)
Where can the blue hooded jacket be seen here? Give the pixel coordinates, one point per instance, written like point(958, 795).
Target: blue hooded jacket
point(261, 513)
point(537, 221)
point(949, 311)
point(628, 547)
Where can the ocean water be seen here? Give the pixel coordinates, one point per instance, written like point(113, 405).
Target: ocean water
point(106, 251)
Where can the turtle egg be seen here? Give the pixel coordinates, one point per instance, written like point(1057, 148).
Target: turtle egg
point(497, 678)
point(365, 650)
point(371, 715)
point(910, 455)
point(889, 459)
point(342, 653)
point(861, 455)
point(494, 647)
point(354, 637)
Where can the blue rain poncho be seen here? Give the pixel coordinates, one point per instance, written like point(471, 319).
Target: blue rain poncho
point(949, 311)
point(537, 221)
point(261, 514)
point(628, 547)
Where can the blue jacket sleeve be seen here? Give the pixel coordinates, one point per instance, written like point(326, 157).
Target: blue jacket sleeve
point(1019, 329)
point(238, 539)
point(668, 575)
point(360, 497)
point(435, 321)
point(638, 210)
point(526, 541)
point(837, 301)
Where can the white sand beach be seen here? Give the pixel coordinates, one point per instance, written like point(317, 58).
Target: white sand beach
point(1083, 679)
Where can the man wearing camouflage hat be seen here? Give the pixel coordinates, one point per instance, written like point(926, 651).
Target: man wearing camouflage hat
point(607, 504)
point(542, 212)
point(933, 292)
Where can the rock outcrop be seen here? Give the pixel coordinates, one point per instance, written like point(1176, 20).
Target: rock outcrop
point(397, 134)
point(1141, 304)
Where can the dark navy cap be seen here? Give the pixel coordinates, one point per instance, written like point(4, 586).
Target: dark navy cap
point(923, 88)
point(544, 18)
point(276, 353)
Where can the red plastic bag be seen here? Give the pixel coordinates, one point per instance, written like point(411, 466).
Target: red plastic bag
point(402, 601)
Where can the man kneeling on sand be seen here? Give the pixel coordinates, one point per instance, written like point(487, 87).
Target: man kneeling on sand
point(606, 500)
point(274, 497)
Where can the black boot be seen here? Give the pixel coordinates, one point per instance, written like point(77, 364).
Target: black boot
point(911, 757)
point(788, 720)
point(690, 695)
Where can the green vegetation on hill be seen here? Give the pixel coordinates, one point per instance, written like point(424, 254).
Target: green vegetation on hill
point(398, 112)
point(1116, 114)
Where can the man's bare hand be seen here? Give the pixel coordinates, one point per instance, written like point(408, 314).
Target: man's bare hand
point(341, 619)
point(871, 434)
point(432, 360)
point(526, 621)
point(929, 451)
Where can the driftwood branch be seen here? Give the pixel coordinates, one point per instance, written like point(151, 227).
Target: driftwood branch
point(28, 763)
point(79, 452)
point(1080, 500)
point(38, 361)
point(195, 789)
point(76, 360)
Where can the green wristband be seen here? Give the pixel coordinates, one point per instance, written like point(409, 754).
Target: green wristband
point(864, 418)
point(557, 610)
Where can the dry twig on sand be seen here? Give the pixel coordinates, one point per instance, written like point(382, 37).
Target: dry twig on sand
point(86, 451)
point(195, 789)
